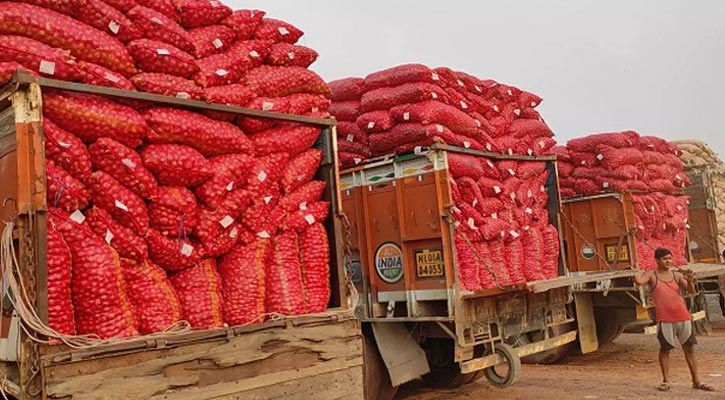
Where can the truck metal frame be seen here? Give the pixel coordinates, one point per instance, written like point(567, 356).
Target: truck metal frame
point(318, 356)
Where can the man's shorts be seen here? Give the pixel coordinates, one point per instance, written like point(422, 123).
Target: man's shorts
point(675, 334)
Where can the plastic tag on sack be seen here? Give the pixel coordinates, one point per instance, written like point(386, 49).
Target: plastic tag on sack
point(513, 196)
point(267, 199)
point(533, 104)
point(460, 83)
point(127, 162)
point(478, 89)
point(526, 228)
point(350, 138)
point(471, 223)
point(435, 76)
point(267, 106)
point(218, 44)
point(371, 125)
point(543, 188)
point(439, 128)
point(315, 109)
point(467, 145)
point(262, 176)
point(108, 237)
point(456, 224)
point(600, 157)
point(542, 144)
point(474, 203)
point(114, 27)
point(494, 215)
point(157, 21)
point(434, 95)
point(77, 217)
point(478, 123)
point(406, 116)
point(583, 162)
point(357, 160)
point(183, 95)
point(163, 52)
point(605, 185)
point(497, 190)
point(263, 234)
point(511, 152)
point(517, 112)
point(514, 234)
point(64, 145)
point(303, 205)
point(512, 172)
point(464, 105)
point(234, 233)
point(283, 31)
point(226, 221)
point(489, 147)
point(530, 194)
point(490, 163)
point(121, 206)
point(679, 208)
point(530, 152)
point(254, 54)
point(186, 249)
point(111, 78)
point(310, 219)
point(291, 55)
point(510, 93)
point(418, 150)
point(230, 186)
point(215, 3)
point(221, 72)
point(529, 211)
point(47, 67)
point(495, 108)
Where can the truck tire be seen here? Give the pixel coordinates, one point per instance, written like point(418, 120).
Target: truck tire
point(512, 374)
point(445, 372)
point(607, 329)
point(550, 356)
point(375, 373)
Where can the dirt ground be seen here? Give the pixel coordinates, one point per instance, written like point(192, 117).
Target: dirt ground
point(625, 369)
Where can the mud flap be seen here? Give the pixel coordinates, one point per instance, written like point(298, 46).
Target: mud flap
point(587, 325)
point(403, 357)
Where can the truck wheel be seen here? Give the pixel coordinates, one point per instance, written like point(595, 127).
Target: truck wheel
point(508, 373)
point(607, 330)
point(550, 356)
point(445, 372)
point(375, 373)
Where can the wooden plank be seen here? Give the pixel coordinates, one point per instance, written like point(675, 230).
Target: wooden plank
point(497, 156)
point(564, 281)
point(220, 369)
point(588, 340)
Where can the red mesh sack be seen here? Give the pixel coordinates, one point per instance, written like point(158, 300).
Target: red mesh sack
point(541, 147)
point(550, 266)
point(662, 185)
point(154, 300)
point(529, 128)
point(497, 263)
point(93, 117)
point(589, 172)
point(490, 187)
point(173, 254)
point(467, 264)
point(60, 305)
point(230, 66)
point(469, 190)
point(269, 81)
point(283, 277)
point(277, 31)
point(533, 243)
point(165, 7)
point(315, 260)
point(62, 32)
point(507, 168)
point(66, 150)
point(264, 215)
point(583, 159)
point(514, 257)
point(388, 97)
point(471, 216)
point(290, 138)
point(213, 39)
point(567, 192)
point(565, 169)
point(410, 135)
point(218, 229)
point(302, 219)
point(399, 75)
point(233, 95)
point(301, 169)
point(104, 17)
point(375, 121)
point(345, 110)
point(614, 158)
point(482, 253)
point(511, 146)
point(355, 148)
point(242, 273)
point(562, 153)
point(7, 70)
point(195, 13)
point(92, 74)
point(125, 207)
point(653, 143)
point(122, 5)
point(489, 206)
point(176, 165)
point(290, 55)
point(308, 104)
point(61, 6)
point(585, 186)
point(208, 136)
point(173, 211)
point(494, 228)
point(124, 165)
point(654, 157)
point(38, 58)
point(97, 287)
point(429, 112)
point(617, 140)
point(347, 89)
point(266, 171)
point(157, 26)
point(167, 85)
point(199, 289)
point(157, 56)
point(349, 159)
point(126, 242)
point(308, 193)
point(252, 124)
point(230, 172)
point(63, 190)
point(349, 131)
point(244, 22)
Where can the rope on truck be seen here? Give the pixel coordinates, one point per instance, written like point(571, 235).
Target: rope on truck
point(583, 238)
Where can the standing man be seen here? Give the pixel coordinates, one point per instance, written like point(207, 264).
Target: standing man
point(674, 323)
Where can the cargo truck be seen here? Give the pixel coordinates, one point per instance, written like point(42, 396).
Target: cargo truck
point(315, 356)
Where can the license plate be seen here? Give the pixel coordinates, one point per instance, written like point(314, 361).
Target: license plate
point(429, 263)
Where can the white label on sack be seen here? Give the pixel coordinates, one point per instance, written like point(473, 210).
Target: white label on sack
point(529, 211)
point(533, 104)
point(460, 83)
point(605, 185)
point(114, 27)
point(510, 93)
point(497, 189)
point(466, 144)
point(267, 106)
point(357, 160)
point(315, 109)
point(478, 123)
point(512, 172)
point(418, 150)
point(157, 21)
point(183, 95)
point(108, 237)
point(464, 105)
point(457, 224)
point(77, 217)
point(471, 223)
point(262, 176)
point(434, 95)
point(439, 128)
point(542, 144)
point(371, 125)
point(111, 78)
point(215, 3)
point(600, 157)
point(267, 199)
point(517, 112)
point(475, 202)
point(350, 138)
point(128, 163)
point(503, 234)
point(478, 89)
point(514, 234)
point(489, 147)
point(494, 215)
point(406, 116)
point(584, 162)
point(511, 152)
point(652, 208)
point(303, 206)
point(526, 228)
point(310, 219)
point(679, 208)
point(263, 234)
point(283, 31)
point(530, 152)
point(234, 233)
point(513, 196)
point(64, 145)
point(456, 210)
point(163, 52)
point(226, 221)
point(490, 163)
point(435, 76)
point(186, 249)
point(221, 72)
point(121, 206)
point(530, 193)
point(543, 188)
point(230, 186)
point(218, 44)
point(291, 55)
point(495, 108)
point(254, 54)
point(47, 67)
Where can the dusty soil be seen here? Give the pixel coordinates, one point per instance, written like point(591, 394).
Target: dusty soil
point(626, 369)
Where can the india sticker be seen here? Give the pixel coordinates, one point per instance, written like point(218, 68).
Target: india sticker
point(389, 262)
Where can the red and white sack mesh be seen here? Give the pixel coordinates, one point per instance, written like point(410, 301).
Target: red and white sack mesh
point(100, 302)
point(156, 56)
point(399, 75)
point(482, 252)
point(266, 171)
point(173, 211)
point(199, 289)
point(126, 242)
point(375, 121)
point(308, 193)
point(8, 69)
point(165, 7)
point(277, 31)
point(104, 17)
point(154, 300)
point(230, 66)
point(253, 124)
point(231, 95)
point(196, 13)
point(173, 254)
point(408, 136)
point(218, 229)
point(212, 39)
point(345, 110)
point(60, 304)
point(92, 117)
point(346, 89)
point(244, 22)
point(126, 207)
point(283, 277)
point(461, 165)
point(59, 31)
point(497, 250)
point(63, 190)
point(124, 165)
point(242, 272)
point(157, 26)
point(167, 85)
point(270, 81)
point(208, 136)
point(550, 266)
point(619, 140)
point(66, 150)
point(350, 132)
point(467, 264)
point(515, 260)
point(290, 55)
point(300, 220)
point(230, 172)
point(435, 112)
point(613, 158)
point(301, 169)
point(92, 74)
point(315, 260)
point(176, 165)
point(263, 215)
point(388, 97)
point(290, 138)
point(534, 253)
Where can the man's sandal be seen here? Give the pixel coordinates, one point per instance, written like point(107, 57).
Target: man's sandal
point(664, 387)
point(703, 386)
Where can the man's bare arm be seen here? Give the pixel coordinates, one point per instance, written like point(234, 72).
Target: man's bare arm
point(642, 278)
point(686, 280)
